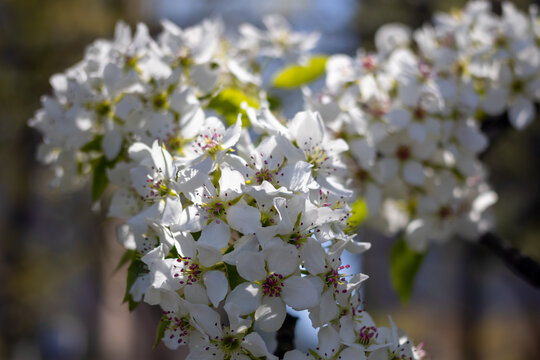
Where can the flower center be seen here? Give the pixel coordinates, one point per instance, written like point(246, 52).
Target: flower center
point(272, 285)
point(160, 100)
point(444, 212)
point(317, 157)
point(178, 327)
point(214, 210)
point(264, 174)
point(419, 113)
point(362, 175)
point(403, 153)
point(368, 63)
point(367, 334)
point(296, 239)
point(189, 272)
point(230, 343)
point(333, 278)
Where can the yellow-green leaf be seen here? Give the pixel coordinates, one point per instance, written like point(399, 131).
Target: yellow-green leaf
point(404, 264)
point(358, 214)
point(99, 179)
point(161, 330)
point(228, 104)
point(294, 76)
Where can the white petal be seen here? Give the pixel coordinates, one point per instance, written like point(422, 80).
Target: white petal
point(112, 143)
point(328, 307)
point(307, 128)
point(208, 255)
point(254, 343)
point(297, 355)
point(296, 177)
point(313, 256)
point(250, 266)
point(521, 112)
point(495, 101)
point(207, 319)
point(216, 286)
point(328, 341)
point(363, 152)
point(299, 293)
point(172, 211)
point(413, 172)
point(244, 218)
point(270, 314)
point(196, 294)
point(246, 297)
point(346, 330)
point(387, 169)
point(282, 259)
point(398, 118)
point(417, 132)
point(236, 322)
point(232, 135)
point(216, 234)
point(352, 354)
point(230, 183)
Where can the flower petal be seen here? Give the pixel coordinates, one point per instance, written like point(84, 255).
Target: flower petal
point(250, 266)
point(270, 315)
point(300, 293)
point(521, 112)
point(216, 286)
point(246, 297)
point(244, 218)
point(216, 234)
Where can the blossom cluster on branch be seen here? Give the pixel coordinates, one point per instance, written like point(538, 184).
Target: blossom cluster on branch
point(412, 114)
point(231, 213)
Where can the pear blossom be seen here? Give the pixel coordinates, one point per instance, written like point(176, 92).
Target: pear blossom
point(250, 221)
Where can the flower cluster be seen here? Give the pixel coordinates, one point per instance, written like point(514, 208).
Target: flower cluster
point(413, 118)
point(137, 89)
point(249, 226)
point(226, 226)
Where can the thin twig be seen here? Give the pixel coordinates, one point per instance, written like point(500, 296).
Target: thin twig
point(285, 336)
point(522, 265)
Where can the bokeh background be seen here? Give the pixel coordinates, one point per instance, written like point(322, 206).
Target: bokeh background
point(60, 297)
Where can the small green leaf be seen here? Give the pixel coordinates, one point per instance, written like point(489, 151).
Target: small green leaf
point(93, 145)
point(99, 180)
point(228, 104)
point(358, 215)
point(136, 268)
point(161, 330)
point(196, 235)
point(294, 76)
point(128, 255)
point(233, 276)
point(404, 264)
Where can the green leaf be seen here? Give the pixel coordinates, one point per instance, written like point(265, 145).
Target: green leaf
point(196, 235)
point(233, 276)
point(161, 330)
point(404, 264)
point(136, 268)
point(93, 145)
point(99, 180)
point(294, 76)
point(128, 255)
point(228, 104)
point(358, 215)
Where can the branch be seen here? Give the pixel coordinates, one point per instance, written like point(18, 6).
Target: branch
point(285, 336)
point(522, 265)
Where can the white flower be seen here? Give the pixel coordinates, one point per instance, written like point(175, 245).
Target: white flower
point(272, 285)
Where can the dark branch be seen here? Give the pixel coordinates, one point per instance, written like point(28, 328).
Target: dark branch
point(285, 336)
point(521, 265)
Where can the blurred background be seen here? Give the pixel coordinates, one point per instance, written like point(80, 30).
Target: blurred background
point(60, 297)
